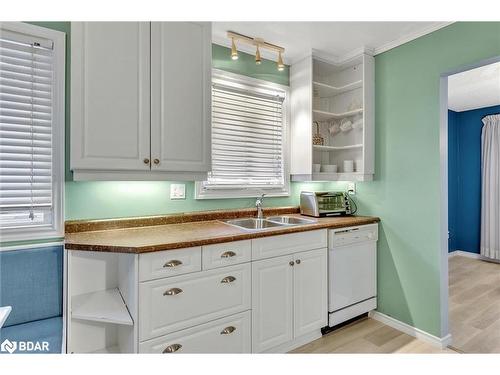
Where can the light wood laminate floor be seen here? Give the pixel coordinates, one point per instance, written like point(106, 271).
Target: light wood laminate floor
point(368, 336)
point(474, 305)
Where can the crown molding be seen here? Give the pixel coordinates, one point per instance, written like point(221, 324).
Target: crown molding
point(409, 37)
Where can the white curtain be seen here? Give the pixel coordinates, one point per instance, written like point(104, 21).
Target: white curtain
point(490, 198)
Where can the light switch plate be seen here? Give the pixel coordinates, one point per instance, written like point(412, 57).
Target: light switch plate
point(177, 191)
point(351, 188)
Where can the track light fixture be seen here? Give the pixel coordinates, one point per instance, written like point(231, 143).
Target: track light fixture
point(281, 66)
point(234, 51)
point(258, 60)
point(258, 43)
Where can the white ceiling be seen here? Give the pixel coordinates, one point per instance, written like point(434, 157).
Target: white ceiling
point(476, 88)
point(334, 40)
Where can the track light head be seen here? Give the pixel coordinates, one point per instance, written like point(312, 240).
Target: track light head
point(234, 51)
point(258, 59)
point(281, 66)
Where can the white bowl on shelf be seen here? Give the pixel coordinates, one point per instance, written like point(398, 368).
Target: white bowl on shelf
point(329, 168)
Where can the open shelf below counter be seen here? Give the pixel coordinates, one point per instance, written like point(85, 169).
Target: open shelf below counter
point(325, 91)
point(324, 116)
point(106, 306)
point(333, 148)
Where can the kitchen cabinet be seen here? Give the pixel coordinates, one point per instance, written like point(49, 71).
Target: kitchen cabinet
point(272, 303)
point(288, 299)
point(333, 119)
point(265, 294)
point(140, 100)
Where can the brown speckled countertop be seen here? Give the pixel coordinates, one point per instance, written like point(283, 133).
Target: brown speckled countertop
point(138, 238)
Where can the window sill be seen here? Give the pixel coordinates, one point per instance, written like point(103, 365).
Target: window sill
point(238, 193)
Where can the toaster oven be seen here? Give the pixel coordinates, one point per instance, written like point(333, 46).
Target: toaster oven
point(320, 203)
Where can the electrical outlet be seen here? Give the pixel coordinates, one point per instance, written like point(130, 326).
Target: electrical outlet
point(177, 191)
point(351, 188)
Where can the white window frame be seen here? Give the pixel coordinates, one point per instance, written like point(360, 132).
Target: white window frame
point(56, 230)
point(241, 81)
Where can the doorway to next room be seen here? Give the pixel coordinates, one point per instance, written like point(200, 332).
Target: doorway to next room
point(474, 209)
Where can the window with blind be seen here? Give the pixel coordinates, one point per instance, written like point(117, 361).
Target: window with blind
point(248, 139)
point(30, 132)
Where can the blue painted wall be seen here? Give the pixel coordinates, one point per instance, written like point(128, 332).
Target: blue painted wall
point(464, 178)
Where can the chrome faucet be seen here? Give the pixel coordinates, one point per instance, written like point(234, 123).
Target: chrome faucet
point(258, 204)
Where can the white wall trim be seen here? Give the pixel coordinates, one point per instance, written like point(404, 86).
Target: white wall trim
point(31, 246)
point(409, 37)
point(468, 254)
point(410, 330)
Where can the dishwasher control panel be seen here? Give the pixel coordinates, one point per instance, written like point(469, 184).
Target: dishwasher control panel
point(352, 235)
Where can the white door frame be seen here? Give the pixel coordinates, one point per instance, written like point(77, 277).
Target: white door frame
point(443, 149)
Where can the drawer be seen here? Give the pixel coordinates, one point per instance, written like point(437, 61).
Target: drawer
point(225, 254)
point(171, 304)
point(268, 247)
point(226, 335)
point(169, 263)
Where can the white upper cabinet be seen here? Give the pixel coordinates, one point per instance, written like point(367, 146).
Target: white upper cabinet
point(181, 57)
point(332, 127)
point(110, 84)
point(140, 100)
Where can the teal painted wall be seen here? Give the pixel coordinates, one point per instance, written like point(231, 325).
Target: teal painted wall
point(406, 190)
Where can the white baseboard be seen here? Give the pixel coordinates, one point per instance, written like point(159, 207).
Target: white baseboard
point(468, 254)
point(410, 330)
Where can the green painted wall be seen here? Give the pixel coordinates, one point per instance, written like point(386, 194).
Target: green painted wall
point(406, 192)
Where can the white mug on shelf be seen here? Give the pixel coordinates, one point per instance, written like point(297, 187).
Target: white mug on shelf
point(359, 165)
point(348, 166)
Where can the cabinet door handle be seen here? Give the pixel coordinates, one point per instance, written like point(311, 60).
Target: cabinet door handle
point(228, 279)
point(172, 263)
point(172, 292)
point(172, 348)
point(228, 254)
point(146, 161)
point(228, 330)
point(291, 263)
point(297, 261)
point(156, 161)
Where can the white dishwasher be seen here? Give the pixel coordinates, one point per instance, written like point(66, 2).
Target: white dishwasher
point(352, 272)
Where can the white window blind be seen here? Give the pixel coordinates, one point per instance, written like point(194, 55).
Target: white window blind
point(26, 131)
point(247, 138)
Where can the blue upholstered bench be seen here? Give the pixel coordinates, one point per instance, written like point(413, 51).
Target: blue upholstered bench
point(31, 282)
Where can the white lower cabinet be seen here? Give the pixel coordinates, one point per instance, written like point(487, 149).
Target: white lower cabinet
point(289, 299)
point(174, 303)
point(226, 335)
point(261, 295)
point(272, 302)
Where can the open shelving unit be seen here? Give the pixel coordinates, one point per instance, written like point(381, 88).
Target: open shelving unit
point(102, 302)
point(331, 94)
point(105, 306)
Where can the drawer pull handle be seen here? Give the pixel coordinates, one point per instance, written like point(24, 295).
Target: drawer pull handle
point(228, 330)
point(297, 261)
point(228, 279)
point(172, 348)
point(172, 263)
point(172, 292)
point(228, 254)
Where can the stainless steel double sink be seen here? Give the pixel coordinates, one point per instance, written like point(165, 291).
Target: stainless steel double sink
point(270, 222)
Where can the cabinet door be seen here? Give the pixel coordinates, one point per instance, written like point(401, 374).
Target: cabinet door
point(110, 95)
point(181, 96)
point(272, 303)
point(310, 291)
